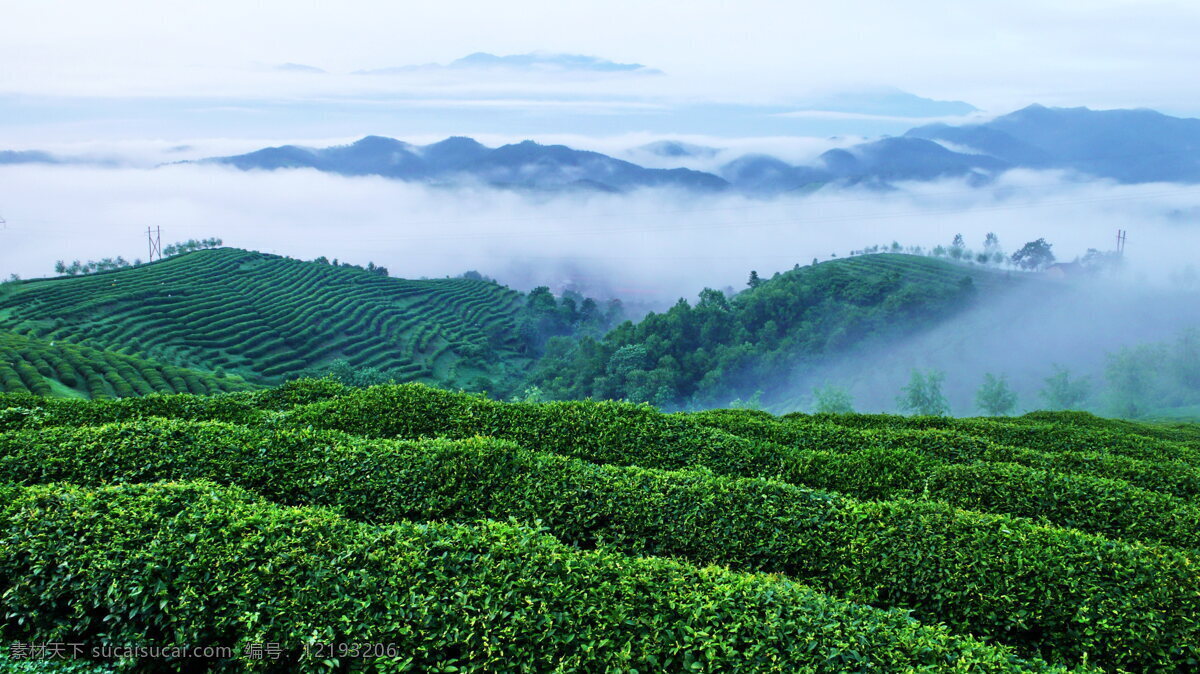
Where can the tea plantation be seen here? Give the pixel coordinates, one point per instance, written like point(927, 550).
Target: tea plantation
point(449, 532)
point(266, 318)
point(69, 370)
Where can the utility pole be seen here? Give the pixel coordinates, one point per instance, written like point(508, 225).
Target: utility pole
point(1120, 242)
point(155, 243)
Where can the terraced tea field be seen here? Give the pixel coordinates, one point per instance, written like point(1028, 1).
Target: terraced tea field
point(458, 533)
point(266, 317)
point(70, 370)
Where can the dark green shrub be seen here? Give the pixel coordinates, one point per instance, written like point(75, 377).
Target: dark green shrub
point(1031, 586)
point(449, 598)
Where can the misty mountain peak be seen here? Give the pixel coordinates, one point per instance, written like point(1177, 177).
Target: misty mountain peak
point(380, 143)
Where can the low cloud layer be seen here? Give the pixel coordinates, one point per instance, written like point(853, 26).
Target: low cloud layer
point(650, 244)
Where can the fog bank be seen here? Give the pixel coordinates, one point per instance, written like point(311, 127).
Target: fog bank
point(648, 244)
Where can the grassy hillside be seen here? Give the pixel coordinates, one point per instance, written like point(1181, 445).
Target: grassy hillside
point(724, 348)
point(491, 536)
point(267, 318)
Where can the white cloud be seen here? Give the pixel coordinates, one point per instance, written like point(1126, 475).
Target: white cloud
point(664, 244)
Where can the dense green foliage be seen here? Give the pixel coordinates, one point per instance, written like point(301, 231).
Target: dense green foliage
point(1062, 536)
point(66, 369)
point(727, 347)
point(965, 569)
point(1100, 494)
point(1145, 378)
point(491, 597)
point(923, 394)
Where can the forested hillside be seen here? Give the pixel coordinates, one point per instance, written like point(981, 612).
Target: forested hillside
point(723, 348)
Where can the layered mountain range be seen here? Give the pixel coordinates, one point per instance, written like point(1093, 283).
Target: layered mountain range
point(1127, 146)
point(522, 165)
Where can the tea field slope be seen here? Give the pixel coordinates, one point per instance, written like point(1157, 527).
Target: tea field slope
point(71, 370)
point(267, 318)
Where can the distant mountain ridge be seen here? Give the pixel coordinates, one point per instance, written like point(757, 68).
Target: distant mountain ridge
point(520, 165)
point(1128, 146)
point(1131, 146)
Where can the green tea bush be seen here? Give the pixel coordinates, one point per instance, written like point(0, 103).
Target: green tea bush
point(921, 464)
point(603, 432)
point(1098, 505)
point(864, 464)
point(75, 412)
point(492, 597)
point(1045, 590)
point(1042, 436)
point(1172, 476)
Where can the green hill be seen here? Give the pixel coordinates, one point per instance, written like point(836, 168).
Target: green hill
point(487, 536)
point(267, 318)
point(723, 348)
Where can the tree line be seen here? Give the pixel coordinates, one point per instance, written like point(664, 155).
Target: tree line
point(77, 268)
point(1138, 381)
point(1035, 255)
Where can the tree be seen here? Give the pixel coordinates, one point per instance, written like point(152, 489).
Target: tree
point(753, 403)
point(957, 247)
point(1097, 262)
point(1063, 393)
point(1034, 255)
point(994, 397)
point(754, 281)
point(991, 242)
point(1134, 385)
point(923, 395)
point(531, 394)
point(1186, 359)
point(830, 399)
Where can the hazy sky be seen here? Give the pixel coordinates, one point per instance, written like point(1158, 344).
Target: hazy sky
point(996, 55)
